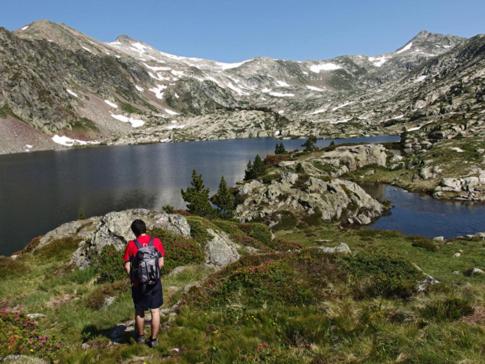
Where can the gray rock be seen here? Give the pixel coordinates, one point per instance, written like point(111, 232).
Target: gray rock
point(23, 359)
point(476, 272)
point(220, 250)
point(439, 238)
point(426, 283)
point(114, 229)
point(34, 316)
point(342, 248)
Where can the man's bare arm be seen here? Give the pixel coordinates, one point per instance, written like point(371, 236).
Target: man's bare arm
point(161, 262)
point(128, 267)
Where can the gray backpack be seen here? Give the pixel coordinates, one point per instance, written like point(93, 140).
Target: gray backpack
point(146, 268)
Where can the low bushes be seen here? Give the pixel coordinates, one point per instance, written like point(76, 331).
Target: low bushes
point(381, 275)
point(447, 309)
point(180, 250)
point(21, 335)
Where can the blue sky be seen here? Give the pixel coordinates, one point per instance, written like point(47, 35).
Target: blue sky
point(228, 30)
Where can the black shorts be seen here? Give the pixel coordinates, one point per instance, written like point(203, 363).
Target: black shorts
point(150, 297)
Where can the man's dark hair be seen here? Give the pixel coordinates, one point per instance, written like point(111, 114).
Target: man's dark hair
point(138, 227)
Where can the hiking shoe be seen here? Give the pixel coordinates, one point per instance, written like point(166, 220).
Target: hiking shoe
point(140, 339)
point(152, 342)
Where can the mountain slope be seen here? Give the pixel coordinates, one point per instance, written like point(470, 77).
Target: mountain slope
point(58, 81)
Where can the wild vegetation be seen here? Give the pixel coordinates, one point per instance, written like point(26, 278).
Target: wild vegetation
point(392, 298)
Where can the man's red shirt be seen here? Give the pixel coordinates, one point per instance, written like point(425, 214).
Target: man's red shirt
point(131, 248)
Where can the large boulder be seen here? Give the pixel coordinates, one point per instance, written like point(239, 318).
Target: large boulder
point(111, 229)
point(220, 250)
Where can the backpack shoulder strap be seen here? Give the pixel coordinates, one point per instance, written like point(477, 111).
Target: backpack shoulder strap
point(137, 243)
point(151, 243)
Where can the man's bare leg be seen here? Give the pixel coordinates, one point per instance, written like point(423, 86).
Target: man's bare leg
point(155, 322)
point(140, 324)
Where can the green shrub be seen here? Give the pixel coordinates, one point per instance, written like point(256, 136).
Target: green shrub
point(381, 276)
point(198, 229)
point(21, 335)
point(180, 250)
point(59, 250)
point(169, 209)
point(313, 219)
point(81, 276)
point(108, 265)
point(286, 220)
point(257, 231)
point(448, 309)
point(11, 267)
point(424, 243)
point(97, 298)
point(130, 109)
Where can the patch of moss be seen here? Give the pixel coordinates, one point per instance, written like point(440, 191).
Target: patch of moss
point(448, 309)
point(130, 109)
point(108, 265)
point(376, 275)
point(179, 250)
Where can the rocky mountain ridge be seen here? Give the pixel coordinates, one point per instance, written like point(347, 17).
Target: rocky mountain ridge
point(61, 88)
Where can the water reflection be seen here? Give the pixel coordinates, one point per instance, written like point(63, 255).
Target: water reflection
point(40, 191)
point(420, 214)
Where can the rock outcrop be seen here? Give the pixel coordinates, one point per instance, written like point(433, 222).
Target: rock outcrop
point(111, 229)
point(220, 250)
point(314, 189)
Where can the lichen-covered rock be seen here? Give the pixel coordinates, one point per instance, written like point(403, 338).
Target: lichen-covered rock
point(346, 159)
point(336, 199)
point(220, 250)
point(111, 229)
point(114, 229)
point(342, 248)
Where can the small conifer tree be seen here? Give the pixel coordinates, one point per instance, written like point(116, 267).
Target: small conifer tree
point(197, 196)
point(224, 199)
point(280, 149)
point(310, 144)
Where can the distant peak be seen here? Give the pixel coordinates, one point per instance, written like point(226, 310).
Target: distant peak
point(123, 38)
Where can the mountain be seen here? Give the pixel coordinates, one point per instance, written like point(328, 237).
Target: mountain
point(63, 88)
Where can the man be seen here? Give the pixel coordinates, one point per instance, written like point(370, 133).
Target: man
point(147, 293)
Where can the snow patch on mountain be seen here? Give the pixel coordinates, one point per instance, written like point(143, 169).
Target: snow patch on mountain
point(228, 66)
point(378, 61)
point(405, 48)
point(314, 88)
point(135, 123)
point(420, 79)
point(72, 93)
point(69, 142)
point(171, 112)
point(158, 91)
point(326, 66)
point(112, 104)
point(282, 83)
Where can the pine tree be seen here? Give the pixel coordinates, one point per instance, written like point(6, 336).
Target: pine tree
point(258, 166)
point(310, 144)
point(280, 149)
point(249, 173)
point(255, 169)
point(197, 197)
point(224, 199)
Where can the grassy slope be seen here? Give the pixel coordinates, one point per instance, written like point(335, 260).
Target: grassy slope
point(279, 306)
